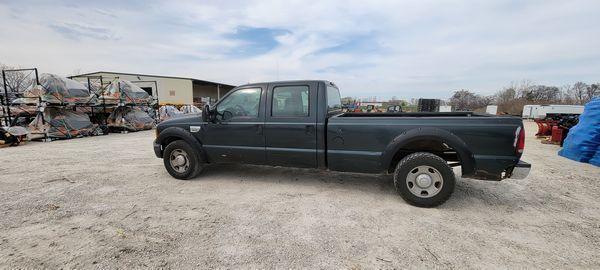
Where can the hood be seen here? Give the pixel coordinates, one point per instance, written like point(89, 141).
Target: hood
point(180, 119)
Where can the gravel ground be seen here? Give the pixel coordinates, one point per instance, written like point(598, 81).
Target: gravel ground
point(107, 202)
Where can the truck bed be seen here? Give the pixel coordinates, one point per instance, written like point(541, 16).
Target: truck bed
point(481, 141)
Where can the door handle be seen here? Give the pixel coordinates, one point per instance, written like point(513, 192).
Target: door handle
point(259, 129)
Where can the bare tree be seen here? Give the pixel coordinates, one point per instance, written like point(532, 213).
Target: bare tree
point(16, 82)
point(506, 95)
point(512, 98)
point(592, 91)
point(465, 100)
point(521, 87)
point(566, 97)
point(578, 92)
point(543, 94)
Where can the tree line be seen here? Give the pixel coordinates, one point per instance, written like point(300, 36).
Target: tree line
point(512, 98)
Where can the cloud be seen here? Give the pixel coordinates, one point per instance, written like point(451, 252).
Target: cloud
point(104, 12)
point(255, 40)
point(361, 44)
point(407, 49)
point(77, 31)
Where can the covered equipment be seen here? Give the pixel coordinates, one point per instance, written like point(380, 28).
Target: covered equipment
point(190, 109)
point(125, 92)
point(130, 119)
point(62, 123)
point(54, 89)
point(168, 111)
point(24, 106)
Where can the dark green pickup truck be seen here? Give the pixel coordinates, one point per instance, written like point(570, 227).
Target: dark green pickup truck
point(300, 124)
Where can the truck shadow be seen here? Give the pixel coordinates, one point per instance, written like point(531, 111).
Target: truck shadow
point(379, 184)
point(468, 192)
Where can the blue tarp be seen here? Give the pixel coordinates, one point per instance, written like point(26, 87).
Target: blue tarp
point(583, 141)
point(596, 159)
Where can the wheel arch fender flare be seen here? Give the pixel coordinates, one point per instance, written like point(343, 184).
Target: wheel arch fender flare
point(178, 133)
point(429, 133)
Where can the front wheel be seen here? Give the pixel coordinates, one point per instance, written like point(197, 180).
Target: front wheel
point(424, 179)
point(181, 160)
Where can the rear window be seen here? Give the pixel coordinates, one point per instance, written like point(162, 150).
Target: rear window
point(290, 101)
point(334, 100)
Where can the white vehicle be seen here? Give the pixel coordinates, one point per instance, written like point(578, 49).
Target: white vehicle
point(540, 111)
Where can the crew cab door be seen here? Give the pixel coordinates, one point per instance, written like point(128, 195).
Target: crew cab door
point(290, 127)
point(238, 138)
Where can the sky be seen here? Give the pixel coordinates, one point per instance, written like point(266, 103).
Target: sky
point(403, 49)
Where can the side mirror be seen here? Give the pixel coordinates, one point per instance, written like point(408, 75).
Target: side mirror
point(205, 113)
point(227, 115)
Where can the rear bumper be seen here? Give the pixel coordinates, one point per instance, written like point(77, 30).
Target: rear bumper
point(157, 150)
point(521, 170)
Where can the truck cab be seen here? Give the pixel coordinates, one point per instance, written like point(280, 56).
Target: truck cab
point(278, 124)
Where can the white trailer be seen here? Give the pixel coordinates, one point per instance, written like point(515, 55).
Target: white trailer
point(540, 111)
point(543, 110)
point(529, 111)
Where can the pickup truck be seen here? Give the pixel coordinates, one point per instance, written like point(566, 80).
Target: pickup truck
point(301, 124)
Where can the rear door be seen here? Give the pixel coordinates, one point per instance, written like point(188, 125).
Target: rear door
point(290, 127)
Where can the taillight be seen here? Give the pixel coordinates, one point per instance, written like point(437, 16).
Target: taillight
point(519, 140)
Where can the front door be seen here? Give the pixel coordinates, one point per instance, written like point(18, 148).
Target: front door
point(290, 129)
point(237, 135)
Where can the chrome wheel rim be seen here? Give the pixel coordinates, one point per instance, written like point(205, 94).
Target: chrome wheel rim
point(424, 181)
point(179, 160)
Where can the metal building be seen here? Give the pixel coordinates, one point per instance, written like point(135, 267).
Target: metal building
point(168, 89)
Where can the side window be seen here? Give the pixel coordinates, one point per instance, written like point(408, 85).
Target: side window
point(290, 101)
point(334, 101)
point(242, 103)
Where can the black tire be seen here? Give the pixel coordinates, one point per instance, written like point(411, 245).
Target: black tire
point(434, 165)
point(193, 157)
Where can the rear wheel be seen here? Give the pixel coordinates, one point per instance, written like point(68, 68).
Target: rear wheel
point(424, 179)
point(182, 161)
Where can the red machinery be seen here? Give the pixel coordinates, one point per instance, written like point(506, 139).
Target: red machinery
point(559, 134)
point(554, 128)
point(545, 127)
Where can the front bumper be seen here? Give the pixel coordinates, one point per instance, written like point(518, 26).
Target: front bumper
point(521, 170)
point(158, 150)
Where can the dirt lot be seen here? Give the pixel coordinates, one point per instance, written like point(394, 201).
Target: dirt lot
point(107, 202)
